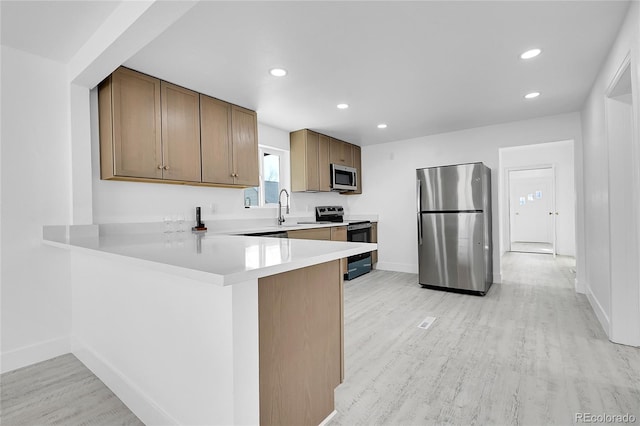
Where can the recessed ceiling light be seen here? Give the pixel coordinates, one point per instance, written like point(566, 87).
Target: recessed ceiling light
point(532, 95)
point(382, 126)
point(278, 72)
point(530, 54)
point(342, 106)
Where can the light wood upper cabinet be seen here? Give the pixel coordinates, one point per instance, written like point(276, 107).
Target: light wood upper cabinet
point(180, 133)
point(244, 125)
point(130, 126)
point(304, 161)
point(357, 164)
point(311, 156)
point(155, 131)
point(324, 168)
point(340, 152)
point(229, 138)
point(215, 134)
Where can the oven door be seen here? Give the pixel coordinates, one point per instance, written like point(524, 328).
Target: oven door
point(359, 232)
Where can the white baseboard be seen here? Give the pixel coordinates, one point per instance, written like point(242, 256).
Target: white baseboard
point(579, 287)
point(397, 267)
point(328, 418)
point(32, 354)
point(601, 314)
point(133, 397)
point(497, 278)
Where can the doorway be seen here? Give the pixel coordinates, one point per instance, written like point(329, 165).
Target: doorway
point(532, 210)
point(624, 206)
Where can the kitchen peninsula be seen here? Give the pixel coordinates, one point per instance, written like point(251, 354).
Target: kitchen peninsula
point(209, 329)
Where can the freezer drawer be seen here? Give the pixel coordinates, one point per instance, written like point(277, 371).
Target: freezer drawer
point(451, 251)
point(453, 188)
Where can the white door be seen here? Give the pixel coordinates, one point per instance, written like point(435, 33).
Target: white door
point(531, 205)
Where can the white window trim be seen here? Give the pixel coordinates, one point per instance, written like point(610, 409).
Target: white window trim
point(284, 173)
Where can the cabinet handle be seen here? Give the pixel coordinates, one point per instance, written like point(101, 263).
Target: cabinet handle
point(166, 167)
point(159, 167)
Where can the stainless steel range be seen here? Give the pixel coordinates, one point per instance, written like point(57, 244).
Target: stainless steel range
point(358, 231)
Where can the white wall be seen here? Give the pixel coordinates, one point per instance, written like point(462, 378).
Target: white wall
point(560, 155)
point(597, 174)
point(389, 177)
point(36, 292)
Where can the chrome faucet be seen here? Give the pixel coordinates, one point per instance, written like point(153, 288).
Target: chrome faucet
point(280, 216)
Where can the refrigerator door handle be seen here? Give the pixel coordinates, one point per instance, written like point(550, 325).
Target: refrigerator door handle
point(419, 208)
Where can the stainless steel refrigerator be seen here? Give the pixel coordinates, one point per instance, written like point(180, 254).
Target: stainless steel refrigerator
point(454, 227)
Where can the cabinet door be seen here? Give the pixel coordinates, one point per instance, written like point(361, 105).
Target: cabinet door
point(215, 128)
point(340, 153)
point(180, 133)
point(302, 149)
point(339, 233)
point(311, 161)
point(374, 239)
point(357, 164)
point(310, 234)
point(324, 168)
point(244, 133)
point(137, 133)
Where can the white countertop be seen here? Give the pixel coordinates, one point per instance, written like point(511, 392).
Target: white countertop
point(217, 258)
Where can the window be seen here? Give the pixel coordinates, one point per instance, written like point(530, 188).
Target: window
point(272, 167)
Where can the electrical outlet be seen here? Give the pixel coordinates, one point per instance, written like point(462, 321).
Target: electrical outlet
point(212, 208)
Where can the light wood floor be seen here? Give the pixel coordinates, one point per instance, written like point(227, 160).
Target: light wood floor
point(60, 391)
point(530, 352)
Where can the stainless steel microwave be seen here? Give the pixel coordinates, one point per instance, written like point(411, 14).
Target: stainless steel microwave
point(343, 178)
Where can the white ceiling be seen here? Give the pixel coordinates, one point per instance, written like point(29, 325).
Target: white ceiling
point(51, 29)
point(422, 67)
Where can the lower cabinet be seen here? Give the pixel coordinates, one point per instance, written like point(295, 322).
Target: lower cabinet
point(374, 239)
point(334, 233)
point(301, 331)
point(311, 234)
point(339, 233)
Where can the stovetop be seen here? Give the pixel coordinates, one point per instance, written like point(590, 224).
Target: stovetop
point(329, 213)
point(333, 214)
